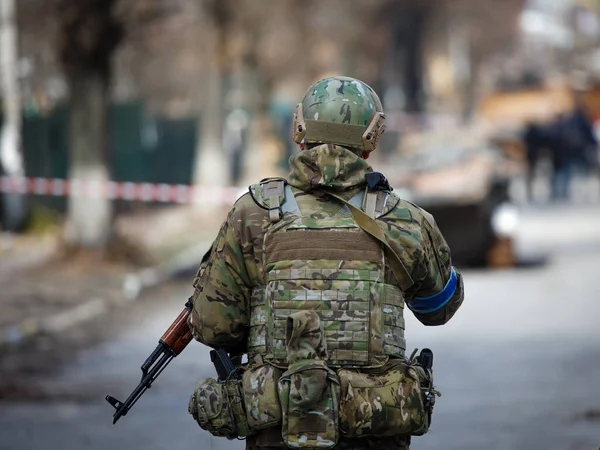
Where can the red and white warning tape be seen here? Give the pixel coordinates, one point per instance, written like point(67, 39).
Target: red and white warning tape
point(141, 192)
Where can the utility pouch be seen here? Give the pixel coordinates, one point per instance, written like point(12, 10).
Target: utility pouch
point(428, 394)
point(218, 408)
point(308, 390)
point(309, 396)
point(260, 396)
point(382, 402)
point(235, 397)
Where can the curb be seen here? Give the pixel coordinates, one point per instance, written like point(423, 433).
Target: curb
point(133, 284)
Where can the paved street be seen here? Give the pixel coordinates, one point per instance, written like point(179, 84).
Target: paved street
point(518, 367)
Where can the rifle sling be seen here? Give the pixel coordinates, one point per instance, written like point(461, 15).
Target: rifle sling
point(369, 225)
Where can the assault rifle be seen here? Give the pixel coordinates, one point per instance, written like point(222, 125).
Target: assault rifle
point(171, 344)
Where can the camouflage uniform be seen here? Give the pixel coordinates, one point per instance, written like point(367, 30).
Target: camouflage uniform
point(310, 291)
point(225, 280)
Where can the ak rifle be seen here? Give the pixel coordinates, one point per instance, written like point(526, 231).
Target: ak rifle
point(171, 344)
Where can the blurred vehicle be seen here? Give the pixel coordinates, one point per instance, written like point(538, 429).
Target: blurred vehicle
point(515, 109)
point(466, 188)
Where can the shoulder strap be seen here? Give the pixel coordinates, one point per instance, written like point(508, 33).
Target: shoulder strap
point(369, 225)
point(276, 196)
point(370, 203)
point(290, 205)
point(273, 190)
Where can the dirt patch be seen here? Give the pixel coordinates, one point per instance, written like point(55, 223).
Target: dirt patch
point(31, 299)
point(28, 371)
point(33, 371)
point(58, 286)
point(121, 250)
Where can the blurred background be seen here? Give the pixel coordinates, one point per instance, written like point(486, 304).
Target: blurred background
point(129, 128)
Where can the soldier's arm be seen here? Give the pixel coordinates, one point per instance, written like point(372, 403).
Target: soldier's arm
point(219, 316)
point(440, 293)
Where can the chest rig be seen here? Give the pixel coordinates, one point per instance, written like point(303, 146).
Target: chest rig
point(316, 257)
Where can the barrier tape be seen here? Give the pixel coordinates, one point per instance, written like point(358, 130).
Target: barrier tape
point(117, 190)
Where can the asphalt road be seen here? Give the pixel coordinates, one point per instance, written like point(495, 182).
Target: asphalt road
point(518, 367)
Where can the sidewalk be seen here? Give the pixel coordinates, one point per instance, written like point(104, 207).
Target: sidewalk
point(41, 294)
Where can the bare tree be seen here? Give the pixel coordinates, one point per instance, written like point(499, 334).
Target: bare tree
point(211, 164)
point(89, 34)
point(11, 159)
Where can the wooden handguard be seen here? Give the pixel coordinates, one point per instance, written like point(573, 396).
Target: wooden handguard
point(178, 335)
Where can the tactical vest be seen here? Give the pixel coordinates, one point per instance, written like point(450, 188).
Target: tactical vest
point(331, 266)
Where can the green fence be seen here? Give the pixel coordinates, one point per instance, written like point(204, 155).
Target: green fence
point(143, 147)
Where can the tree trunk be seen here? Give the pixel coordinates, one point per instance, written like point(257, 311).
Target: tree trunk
point(11, 159)
point(89, 35)
point(470, 94)
point(211, 164)
point(89, 221)
point(413, 68)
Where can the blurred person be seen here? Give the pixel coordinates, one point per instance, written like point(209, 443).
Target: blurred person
point(309, 277)
point(573, 146)
point(582, 139)
point(235, 141)
point(282, 116)
point(562, 153)
point(535, 140)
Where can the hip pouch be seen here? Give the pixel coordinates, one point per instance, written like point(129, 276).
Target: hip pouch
point(261, 397)
point(218, 407)
point(308, 390)
point(383, 402)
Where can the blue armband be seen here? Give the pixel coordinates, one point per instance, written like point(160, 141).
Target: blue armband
point(434, 302)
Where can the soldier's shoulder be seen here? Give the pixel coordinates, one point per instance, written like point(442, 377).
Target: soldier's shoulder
point(267, 187)
point(256, 197)
point(245, 202)
point(401, 209)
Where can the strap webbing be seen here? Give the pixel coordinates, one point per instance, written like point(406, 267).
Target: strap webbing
point(272, 190)
point(369, 225)
point(340, 133)
point(290, 205)
point(370, 204)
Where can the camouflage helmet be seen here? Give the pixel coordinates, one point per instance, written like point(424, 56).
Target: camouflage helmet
point(340, 110)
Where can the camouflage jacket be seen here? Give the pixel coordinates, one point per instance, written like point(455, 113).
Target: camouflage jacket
point(233, 265)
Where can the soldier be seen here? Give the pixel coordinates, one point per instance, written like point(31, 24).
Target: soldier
point(309, 277)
